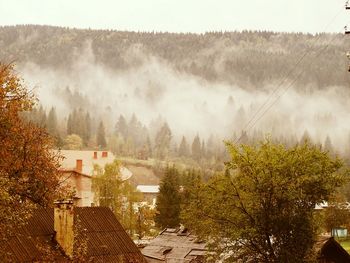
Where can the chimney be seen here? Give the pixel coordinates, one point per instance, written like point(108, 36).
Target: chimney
point(64, 225)
point(104, 154)
point(95, 155)
point(79, 166)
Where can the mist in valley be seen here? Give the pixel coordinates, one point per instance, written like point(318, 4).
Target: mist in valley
point(153, 89)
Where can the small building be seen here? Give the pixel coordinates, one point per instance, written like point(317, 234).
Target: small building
point(77, 170)
point(149, 192)
point(175, 245)
point(56, 234)
point(332, 252)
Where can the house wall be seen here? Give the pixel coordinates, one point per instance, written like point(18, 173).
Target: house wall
point(82, 186)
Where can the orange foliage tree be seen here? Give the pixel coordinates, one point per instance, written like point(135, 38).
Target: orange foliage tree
point(28, 168)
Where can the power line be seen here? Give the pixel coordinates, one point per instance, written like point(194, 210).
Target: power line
point(278, 87)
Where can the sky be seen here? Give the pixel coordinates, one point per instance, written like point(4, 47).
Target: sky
point(195, 16)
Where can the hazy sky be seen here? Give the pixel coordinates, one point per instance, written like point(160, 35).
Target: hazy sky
point(179, 15)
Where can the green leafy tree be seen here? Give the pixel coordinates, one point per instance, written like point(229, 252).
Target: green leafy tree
point(73, 142)
point(168, 200)
point(262, 208)
point(107, 186)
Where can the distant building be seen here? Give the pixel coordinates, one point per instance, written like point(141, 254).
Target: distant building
point(54, 235)
point(175, 245)
point(150, 193)
point(77, 169)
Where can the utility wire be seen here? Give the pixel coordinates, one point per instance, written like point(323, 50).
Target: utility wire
point(290, 85)
point(287, 75)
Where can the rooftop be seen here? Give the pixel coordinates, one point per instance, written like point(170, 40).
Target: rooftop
point(106, 238)
point(148, 188)
point(174, 244)
point(89, 160)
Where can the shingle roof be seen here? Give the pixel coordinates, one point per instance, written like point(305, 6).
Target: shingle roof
point(107, 241)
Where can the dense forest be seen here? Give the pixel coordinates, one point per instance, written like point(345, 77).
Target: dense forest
point(232, 57)
point(87, 114)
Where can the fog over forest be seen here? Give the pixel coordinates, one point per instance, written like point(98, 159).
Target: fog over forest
point(154, 87)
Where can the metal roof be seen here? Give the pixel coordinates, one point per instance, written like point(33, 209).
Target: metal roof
point(154, 189)
point(107, 241)
point(176, 245)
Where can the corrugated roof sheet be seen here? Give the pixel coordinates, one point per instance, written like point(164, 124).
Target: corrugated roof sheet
point(31, 240)
point(107, 241)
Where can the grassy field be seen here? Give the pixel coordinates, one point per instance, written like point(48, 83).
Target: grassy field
point(345, 244)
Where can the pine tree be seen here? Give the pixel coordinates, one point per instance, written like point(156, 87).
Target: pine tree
point(70, 125)
point(184, 148)
point(169, 200)
point(42, 119)
point(196, 148)
point(328, 146)
point(52, 122)
point(87, 129)
point(305, 138)
point(162, 142)
point(121, 127)
point(101, 139)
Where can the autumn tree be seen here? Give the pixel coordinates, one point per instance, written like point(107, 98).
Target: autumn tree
point(262, 208)
point(28, 168)
point(168, 200)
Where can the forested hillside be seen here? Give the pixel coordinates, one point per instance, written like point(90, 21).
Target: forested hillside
point(166, 95)
point(246, 58)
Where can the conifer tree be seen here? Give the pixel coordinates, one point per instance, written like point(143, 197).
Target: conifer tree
point(52, 122)
point(101, 139)
point(328, 145)
point(169, 200)
point(87, 129)
point(70, 125)
point(184, 148)
point(162, 142)
point(121, 127)
point(196, 148)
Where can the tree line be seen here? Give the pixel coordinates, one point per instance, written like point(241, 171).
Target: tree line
point(246, 58)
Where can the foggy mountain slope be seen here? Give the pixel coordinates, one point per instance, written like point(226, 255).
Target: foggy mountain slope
point(206, 84)
point(248, 59)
